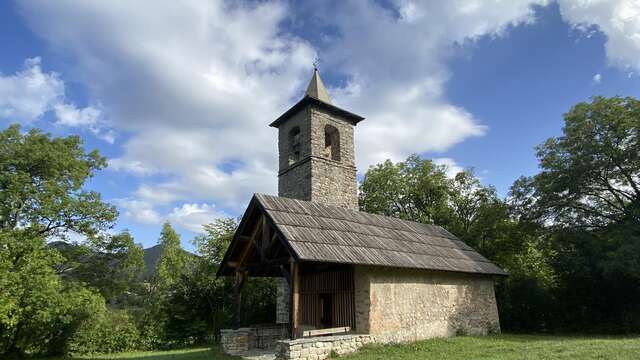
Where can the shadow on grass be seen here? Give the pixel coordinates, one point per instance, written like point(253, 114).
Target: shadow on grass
point(204, 353)
point(186, 354)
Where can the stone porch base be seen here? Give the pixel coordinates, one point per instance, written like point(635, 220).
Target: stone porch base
point(321, 347)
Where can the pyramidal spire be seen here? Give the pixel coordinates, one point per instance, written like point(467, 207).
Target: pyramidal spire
point(316, 88)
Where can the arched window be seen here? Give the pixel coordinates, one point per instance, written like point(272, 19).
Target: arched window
point(294, 145)
point(331, 143)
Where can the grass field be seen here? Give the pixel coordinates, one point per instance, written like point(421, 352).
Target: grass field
point(464, 348)
point(200, 353)
point(509, 347)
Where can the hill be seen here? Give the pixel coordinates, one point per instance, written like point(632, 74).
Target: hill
point(151, 257)
point(151, 254)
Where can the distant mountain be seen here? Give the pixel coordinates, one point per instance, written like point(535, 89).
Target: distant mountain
point(151, 257)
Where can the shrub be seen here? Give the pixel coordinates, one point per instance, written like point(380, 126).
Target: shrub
point(107, 332)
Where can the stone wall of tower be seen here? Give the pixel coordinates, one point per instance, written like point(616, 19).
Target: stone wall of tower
point(316, 177)
point(333, 182)
point(294, 180)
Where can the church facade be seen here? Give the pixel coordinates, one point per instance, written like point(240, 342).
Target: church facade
point(346, 270)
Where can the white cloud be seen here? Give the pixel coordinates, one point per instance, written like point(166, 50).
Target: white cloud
point(189, 216)
point(452, 167)
point(194, 84)
point(619, 20)
point(193, 216)
point(396, 70)
point(138, 210)
point(30, 93)
point(597, 78)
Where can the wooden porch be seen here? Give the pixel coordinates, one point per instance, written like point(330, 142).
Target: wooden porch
point(321, 294)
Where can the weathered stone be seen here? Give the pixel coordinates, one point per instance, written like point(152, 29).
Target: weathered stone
point(283, 300)
point(312, 170)
point(400, 305)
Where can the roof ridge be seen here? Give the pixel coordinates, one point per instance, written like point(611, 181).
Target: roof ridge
point(487, 261)
point(385, 237)
point(349, 210)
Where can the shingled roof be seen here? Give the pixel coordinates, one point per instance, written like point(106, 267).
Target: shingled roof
point(323, 233)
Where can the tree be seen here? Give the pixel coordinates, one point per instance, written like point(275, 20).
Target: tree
point(41, 196)
point(477, 215)
point(41, 184)
point(591, 174)
point(173, 260)
point(112, 264)
point(415, 190)
point(419, 190)
point(217, 236)
point(585, 205)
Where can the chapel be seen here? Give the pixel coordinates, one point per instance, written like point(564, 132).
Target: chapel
point(347, 271)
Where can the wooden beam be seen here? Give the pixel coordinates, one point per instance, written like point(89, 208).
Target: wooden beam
point(336, 330)
point(295, 300)
point(269, 262)
point(264, 242)
point(248, 247)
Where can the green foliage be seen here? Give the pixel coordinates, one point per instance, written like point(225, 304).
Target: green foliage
point(105, 332)
point(586, 200)
point(173, 261)
point(591, 174)
point(111, 264)
point(42, 196)
point(217, 236)
point(198, 307)
point(415, 190)
point(41, 182)
point(39, 310)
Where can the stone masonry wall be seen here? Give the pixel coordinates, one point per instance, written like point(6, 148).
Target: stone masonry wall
point(314, 177)
point(399, 305)
point(241, 340)
point(296, 182)
point(321, 347)
point(234, 341)
point(283, 301)
point(301, 120)
point(319, 119)
point(333, 182)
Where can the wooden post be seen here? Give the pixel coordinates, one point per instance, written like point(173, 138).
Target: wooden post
point(295, 300)
point(237, 298)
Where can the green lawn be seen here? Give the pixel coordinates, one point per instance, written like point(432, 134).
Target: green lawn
point(509, 347)
point(463, 348)
point(200, 353)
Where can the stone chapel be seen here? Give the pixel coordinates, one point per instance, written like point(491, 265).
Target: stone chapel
point(343, 270)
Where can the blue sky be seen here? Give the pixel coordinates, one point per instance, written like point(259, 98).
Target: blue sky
point(179, 98)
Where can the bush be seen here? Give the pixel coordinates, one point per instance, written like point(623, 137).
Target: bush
point(39, 312)
point(107, 332)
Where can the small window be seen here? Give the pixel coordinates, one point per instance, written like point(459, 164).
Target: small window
point(294, 145)
point(331, 143)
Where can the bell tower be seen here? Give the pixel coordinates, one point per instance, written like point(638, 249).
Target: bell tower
point(316, 150)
